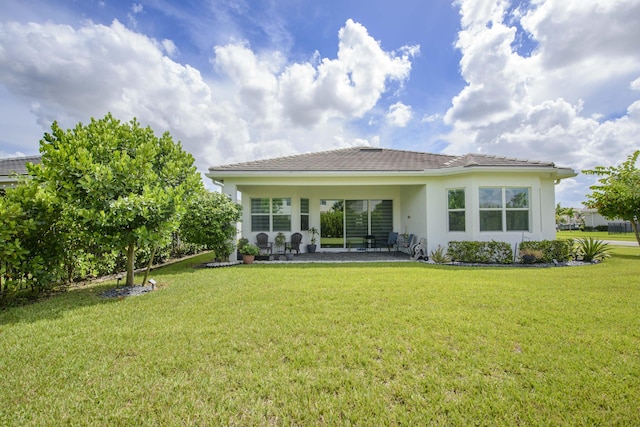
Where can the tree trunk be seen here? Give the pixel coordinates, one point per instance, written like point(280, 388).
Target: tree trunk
point(634, 227)
point(131, 258)
point(146, 273)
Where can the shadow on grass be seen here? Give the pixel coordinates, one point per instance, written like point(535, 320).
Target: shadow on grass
point(55, 306)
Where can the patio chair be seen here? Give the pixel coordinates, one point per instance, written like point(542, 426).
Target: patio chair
point(294, 244)
point(392, 240)
point(263, 243)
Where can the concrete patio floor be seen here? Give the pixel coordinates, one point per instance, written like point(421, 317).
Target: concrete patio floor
point(353, 256)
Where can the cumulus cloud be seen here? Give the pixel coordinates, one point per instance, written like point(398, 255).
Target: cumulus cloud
point(399, 114)
point(312, 93)
point(264, 106)
point(568, 101)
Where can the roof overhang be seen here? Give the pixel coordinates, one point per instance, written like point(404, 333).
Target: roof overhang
point(219, 176)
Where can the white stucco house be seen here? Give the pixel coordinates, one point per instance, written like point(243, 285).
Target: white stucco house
point(374, 191)
point(13, 167)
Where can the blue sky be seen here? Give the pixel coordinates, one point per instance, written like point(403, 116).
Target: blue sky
point(237, 80)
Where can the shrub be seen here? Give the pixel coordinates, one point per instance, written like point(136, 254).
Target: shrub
point(560, 250)
point(249, 249)
point(531, 256)
point(439, 256)
point(481, 252)
point(592, 250)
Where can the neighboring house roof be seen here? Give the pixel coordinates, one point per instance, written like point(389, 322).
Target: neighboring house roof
point(13, 166)
point(381, 160)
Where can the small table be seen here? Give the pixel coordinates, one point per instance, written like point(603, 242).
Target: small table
point(369, 242)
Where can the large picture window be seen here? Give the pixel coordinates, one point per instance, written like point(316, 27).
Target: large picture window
point(504, 209)
point(271, 214)
point(456, 209)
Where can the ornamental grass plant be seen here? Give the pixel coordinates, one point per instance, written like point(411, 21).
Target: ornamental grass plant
point(333, 344)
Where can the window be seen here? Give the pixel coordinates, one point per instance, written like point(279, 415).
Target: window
point(504, 209)
point(260, 209)
point(281, 218)
point(456, 209)
point(271, 214)
point(304, 214)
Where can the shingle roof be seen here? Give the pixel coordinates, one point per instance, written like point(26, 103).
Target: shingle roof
point(372, 159)
point(17, 165)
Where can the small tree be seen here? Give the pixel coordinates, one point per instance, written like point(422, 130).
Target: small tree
point(211, 220)
point(617, 194)
point(122, 184)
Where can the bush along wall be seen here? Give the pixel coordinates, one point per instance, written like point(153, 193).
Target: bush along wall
point(559, 250)
point(481, 252)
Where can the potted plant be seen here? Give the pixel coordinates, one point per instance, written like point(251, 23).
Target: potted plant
point(279, 242)
point(311, 248)
point(241, 243)
point(249, 252)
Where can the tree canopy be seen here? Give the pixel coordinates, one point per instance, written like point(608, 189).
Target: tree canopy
point(211, 221)
point(124, 185)
point(617, 193)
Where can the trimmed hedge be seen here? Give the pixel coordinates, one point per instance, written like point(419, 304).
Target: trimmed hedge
point(560, 250)
point(481, 252)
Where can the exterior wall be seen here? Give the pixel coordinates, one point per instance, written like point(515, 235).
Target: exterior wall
point(541, 208)
point(419, 202)
point(315, 194)
point(593, 219)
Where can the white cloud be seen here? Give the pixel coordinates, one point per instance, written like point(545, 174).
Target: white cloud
point(430, 118)
point(399, 114)
point(263, 108)
point(563, 102)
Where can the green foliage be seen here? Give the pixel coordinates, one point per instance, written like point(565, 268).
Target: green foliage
point(117, 182)
point(617, 194)
point(249, 249)
point(530, 256)
point(591, 249)
point(439, 255)
point(331, 223)
point(210, 221)
point(314, 232)
point(31, 244)
point(560, 250)
point(480, 252)
point(242, 243)
point(280, 241)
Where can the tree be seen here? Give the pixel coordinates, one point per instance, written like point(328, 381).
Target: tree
point(31, 254)
point(617, 194)
point(124, 185)
point(211, 220)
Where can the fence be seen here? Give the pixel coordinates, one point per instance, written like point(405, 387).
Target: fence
point(619, 227)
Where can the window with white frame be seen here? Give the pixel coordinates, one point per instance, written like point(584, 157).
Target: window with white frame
point(270, 214)
point(504, 209)
point(456, 209)
point(304, 214)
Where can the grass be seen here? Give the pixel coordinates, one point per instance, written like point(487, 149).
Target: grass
point(336, 344)
point(600, 235)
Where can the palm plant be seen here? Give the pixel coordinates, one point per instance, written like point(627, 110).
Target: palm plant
point(592, 250)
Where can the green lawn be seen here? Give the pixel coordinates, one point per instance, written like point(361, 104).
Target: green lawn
point(601, 235)
point(333, 344)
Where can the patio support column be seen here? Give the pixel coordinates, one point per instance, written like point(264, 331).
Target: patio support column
point(231, 190)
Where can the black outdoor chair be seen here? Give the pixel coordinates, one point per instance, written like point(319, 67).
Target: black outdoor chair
point(263, 243)
point(294, 244)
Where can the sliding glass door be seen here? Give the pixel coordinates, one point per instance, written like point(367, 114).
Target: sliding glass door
point(344, 223)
